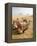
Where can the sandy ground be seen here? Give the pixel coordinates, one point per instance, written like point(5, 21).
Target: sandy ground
point(28, 33)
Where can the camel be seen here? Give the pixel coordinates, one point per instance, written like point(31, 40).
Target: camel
point(20, 27)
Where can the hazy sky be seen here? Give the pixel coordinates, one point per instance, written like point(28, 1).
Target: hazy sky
point(22, 11)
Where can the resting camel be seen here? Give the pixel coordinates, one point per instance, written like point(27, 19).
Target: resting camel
point(20, 27)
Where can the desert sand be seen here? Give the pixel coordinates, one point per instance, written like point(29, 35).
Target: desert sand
point(28, 33)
